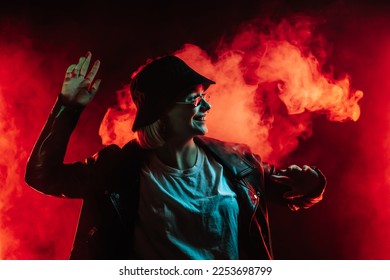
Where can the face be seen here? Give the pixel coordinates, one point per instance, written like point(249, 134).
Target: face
point(185, 120)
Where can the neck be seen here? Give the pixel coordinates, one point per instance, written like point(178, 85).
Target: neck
point(180, 155)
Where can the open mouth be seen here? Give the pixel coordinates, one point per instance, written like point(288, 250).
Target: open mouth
point(200, 118)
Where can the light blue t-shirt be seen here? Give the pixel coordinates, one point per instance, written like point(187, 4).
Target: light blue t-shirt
point(186, 214)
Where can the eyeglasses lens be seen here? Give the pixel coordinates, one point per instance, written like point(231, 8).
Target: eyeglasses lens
point(199, 99)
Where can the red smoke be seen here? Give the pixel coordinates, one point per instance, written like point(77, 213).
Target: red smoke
point(8, 147)
point(30, 223)
point(261, 81)
point(273, 82)
point(118, 120)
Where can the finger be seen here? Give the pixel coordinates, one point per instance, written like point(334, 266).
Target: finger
point(293, 207)
point(84, 67)
point(281, 172)
point(91, 75)
point(69, 71)
point(314, 200)
point(281, 179)
point(293, 170)
point(85, 84)
point(76, 71)
point(292, 195)
point(302, 204)
point(307, 205)
point(306, 167)
point(95, 86)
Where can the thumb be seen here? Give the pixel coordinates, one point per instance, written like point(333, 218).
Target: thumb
point(68, 73)
point(281, 179)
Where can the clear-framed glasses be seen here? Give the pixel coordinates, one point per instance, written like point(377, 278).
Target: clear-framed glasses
point(195, 100)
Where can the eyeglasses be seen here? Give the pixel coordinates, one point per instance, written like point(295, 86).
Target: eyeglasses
point(195, 100)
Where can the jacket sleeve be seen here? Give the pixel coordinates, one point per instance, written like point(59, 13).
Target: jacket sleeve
point(45, 170)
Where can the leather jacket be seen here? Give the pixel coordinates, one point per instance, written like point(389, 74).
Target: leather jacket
point(108, 183)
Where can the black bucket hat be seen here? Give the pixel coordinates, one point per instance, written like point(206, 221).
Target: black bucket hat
point(158, 85)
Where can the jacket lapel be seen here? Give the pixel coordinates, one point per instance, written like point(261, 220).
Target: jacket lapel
point(230, 155)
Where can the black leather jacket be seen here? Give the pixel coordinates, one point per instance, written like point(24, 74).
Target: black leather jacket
point(108, 183)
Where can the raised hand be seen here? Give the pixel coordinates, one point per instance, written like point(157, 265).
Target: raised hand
point(79, 86)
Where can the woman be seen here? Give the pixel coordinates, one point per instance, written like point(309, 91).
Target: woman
point(171, 193)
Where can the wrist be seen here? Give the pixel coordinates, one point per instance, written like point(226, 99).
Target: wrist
point(62, 106)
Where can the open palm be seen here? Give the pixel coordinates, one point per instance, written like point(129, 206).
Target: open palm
point(79, 86)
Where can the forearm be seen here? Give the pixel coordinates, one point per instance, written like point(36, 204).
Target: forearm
point(49, 150)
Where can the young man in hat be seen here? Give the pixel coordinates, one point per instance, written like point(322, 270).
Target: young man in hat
point(172, 193)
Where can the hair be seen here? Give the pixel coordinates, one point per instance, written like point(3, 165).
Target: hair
point(151, 136)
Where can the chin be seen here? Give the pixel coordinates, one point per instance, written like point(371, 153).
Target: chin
point(203, 131)
point(199, 129)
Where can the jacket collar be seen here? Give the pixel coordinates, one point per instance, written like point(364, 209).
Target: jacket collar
point(230, 155)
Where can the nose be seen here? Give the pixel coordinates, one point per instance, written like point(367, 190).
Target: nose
point(205, 105)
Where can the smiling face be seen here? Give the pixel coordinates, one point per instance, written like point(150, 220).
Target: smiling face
point(185, 119)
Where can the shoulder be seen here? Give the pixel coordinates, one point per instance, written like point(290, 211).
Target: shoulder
point(239, 149)
point(113, 152)
point(236, 157)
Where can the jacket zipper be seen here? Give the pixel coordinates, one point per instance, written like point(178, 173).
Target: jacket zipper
point(113, 197)
point(256, 195)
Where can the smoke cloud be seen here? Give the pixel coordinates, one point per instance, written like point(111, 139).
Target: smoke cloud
point(285, 88)
point(30, 222)
point(263, 77)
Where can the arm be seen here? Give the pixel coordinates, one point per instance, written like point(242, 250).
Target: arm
point(45, 169)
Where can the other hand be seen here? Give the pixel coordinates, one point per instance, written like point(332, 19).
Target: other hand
point(306, 185)
point(79, 86)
